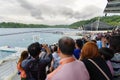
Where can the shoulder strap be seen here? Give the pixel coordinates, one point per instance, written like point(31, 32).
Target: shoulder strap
point(99, 69)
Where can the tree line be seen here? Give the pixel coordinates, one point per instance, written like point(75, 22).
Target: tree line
point(111, 20)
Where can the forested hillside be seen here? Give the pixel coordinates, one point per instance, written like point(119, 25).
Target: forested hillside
point(111, 20)
point(21, 25)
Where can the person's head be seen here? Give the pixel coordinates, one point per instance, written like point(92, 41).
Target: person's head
point(54, 48)
point(66, 45)
point(23, 56)
point(89, 50)
point(94, 41)
point(115, 43)
point(106, 53)
point(79, 43)
point(34, 49)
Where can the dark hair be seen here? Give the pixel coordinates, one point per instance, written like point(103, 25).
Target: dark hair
point(106, 52)
point(55, 48)
point(23, 56)
point(34, 49)
point(115, 43)
point(79, 43)
point(66, 45)
point(94, 41)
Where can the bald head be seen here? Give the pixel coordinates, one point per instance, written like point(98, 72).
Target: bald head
point(66, 45)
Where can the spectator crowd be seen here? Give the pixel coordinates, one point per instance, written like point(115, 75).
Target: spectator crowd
point(93, 57)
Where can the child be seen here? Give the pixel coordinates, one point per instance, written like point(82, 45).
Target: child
point(23, 56)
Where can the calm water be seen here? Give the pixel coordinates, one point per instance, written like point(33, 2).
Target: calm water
point(23, 40)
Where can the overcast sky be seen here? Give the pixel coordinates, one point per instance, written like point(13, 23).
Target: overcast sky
point(50, 11)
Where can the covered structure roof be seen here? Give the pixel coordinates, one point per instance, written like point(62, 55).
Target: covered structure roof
point(97, 26)
point(113, 6)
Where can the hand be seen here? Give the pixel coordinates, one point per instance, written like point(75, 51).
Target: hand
point(104, 41)
point(45, 46)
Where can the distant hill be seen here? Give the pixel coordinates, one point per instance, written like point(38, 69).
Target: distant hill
point(21, 25)
point(111, 20)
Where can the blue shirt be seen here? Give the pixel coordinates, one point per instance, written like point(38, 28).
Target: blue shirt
point(99, 44)
point(77, 53)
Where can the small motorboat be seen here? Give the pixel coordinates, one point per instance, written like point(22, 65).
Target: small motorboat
point(8, 49)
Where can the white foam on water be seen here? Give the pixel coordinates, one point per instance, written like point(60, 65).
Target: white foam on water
point(8, 65)
point(13, 56)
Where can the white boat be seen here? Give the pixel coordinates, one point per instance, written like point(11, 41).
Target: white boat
point(8, 49)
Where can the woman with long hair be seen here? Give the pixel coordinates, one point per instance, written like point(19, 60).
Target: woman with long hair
point(23, 56)
point(91, 57)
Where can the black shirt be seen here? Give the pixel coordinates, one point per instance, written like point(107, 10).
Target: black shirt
point(94, 72)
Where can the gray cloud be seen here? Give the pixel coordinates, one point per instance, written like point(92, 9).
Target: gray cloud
point(88, 12)
point(25, 4)
point(1, 18)
point(7, 1)
point(46, 10)
point(35, 12)
point(51, 11)
point(41, 11)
